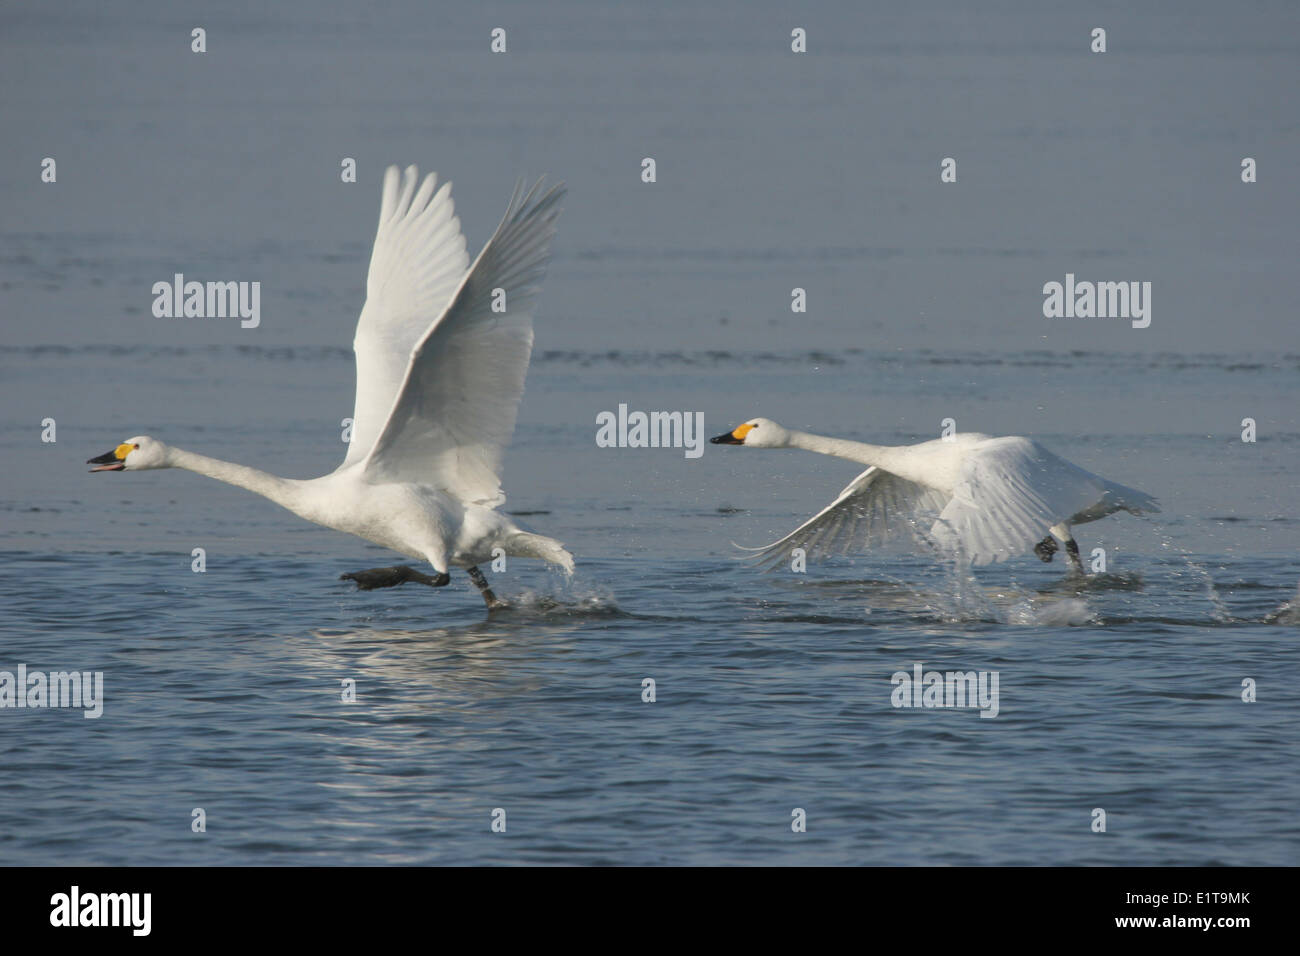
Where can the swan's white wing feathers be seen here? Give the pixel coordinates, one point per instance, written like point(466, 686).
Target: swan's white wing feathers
point(455, 411)
point(875, 510)
point(418, 261)
point(1010, 491)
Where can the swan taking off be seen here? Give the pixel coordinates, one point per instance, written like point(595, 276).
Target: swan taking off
point(440, 371)
point(984, 498)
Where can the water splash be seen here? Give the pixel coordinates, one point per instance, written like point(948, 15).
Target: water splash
point(566, 596)
point(1288, 613)
point(1067, 612)
point(1219, 610)
point(965, 600)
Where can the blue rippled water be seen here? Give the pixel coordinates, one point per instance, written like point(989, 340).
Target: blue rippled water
point(223, 690)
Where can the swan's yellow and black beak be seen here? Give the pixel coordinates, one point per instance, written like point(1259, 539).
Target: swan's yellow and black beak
point(113, 460)
point(736, 437)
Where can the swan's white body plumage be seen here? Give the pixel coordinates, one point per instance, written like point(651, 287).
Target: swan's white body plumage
point(439, 379)
point(984, 498)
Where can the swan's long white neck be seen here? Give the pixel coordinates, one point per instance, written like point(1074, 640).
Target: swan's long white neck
point(283, 491)
point(861, 452)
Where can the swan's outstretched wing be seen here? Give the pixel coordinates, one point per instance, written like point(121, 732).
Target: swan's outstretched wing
point(876, 509)
point(418, 261)
point(455, 410)
point(1009, 493)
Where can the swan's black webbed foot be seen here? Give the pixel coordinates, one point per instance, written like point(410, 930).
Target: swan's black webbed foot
point(1046, 548)
point(392, 577)
point(481, 582)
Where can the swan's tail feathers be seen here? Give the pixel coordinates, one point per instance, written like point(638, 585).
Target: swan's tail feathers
point(1131, 500)
point(525, 544)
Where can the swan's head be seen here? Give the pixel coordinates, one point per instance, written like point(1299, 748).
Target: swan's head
point(756, 433)
point(134, 454)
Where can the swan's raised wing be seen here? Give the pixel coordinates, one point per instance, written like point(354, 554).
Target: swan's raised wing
point(456, 408)
point(876, 509)
point(1009, 493)
point(419, 260)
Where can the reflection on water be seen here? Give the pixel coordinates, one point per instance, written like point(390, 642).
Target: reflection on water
point(226, 690)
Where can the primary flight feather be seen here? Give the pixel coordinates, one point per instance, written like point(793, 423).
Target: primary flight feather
point(442, 350)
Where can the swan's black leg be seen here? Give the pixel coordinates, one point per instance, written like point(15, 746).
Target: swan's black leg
point(1046, 548)
point(392, 577)
point(1072, 549)
point(481, 582)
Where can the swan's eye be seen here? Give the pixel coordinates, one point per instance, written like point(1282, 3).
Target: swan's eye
point(136, 447)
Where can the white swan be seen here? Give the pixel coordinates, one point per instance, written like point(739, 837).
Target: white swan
point(985, 498)
point(440, 372)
